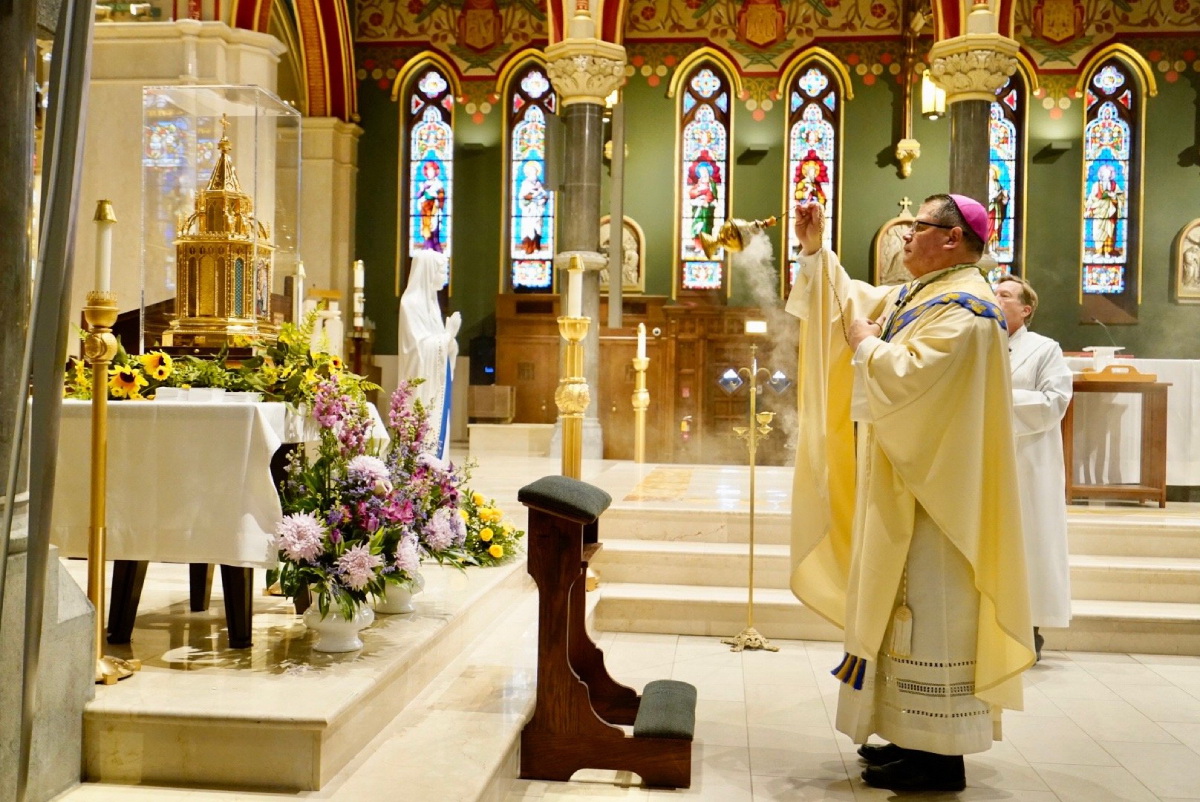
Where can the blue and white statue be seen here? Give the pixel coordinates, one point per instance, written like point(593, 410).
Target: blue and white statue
point(428, 346)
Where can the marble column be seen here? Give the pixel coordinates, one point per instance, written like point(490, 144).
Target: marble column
point(584, 71)
point(18, 76)
point(971, 68)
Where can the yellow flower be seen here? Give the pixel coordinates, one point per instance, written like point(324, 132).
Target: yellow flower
point(485, 534)
point(335, 362)
point(311, 376)
point(478, 499)
point(489, 515)
point(126, 382)
point(464, 514)
point(497, 551)
point(157, 365)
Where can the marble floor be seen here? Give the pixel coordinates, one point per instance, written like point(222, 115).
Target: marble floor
point(1097, 727)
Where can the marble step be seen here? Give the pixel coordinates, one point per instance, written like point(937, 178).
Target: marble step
point(1144, 579)
point(1117, 578)
point(1135, 531)
point(202, 715)
point(632, 522)
point(1129, 626)
point(706, 610)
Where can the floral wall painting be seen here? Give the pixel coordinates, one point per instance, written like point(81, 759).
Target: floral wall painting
point(1187, 264)
point(633, 255)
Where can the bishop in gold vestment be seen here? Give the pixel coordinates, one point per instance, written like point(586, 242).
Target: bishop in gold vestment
point(907, 533)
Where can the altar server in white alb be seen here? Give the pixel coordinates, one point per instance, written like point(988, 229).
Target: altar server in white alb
point(1041, 383)
point(428, 346)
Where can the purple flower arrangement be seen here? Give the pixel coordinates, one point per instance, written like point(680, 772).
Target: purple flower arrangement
point(359, 516)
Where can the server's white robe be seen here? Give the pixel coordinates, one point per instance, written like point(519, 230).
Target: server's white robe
point(1041, 384)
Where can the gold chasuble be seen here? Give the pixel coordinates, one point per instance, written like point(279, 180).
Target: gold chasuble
point(935, 453)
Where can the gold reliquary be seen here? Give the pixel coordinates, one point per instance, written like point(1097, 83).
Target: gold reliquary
point(223, 266)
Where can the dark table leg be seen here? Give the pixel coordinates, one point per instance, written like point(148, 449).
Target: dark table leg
point(127, 580)
point(200, 576)
point(239, 604)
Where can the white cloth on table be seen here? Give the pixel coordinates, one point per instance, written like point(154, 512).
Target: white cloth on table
point(1107, 441)
point(1041, 384)
point(186, 482)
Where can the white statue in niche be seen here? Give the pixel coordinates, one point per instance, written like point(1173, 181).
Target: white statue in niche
point(428, 346)
point(633, 257)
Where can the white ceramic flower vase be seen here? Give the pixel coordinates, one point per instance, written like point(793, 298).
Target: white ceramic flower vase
point(335, 632)
point(397, 599)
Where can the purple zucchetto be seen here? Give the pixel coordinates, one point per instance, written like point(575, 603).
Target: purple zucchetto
point(975, 215)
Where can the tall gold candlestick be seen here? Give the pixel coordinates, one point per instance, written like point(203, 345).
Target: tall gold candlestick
point(760, 426)
point(99, 349)
point(572, 396)
point(641, 400)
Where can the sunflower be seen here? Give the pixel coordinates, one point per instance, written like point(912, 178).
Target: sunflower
point(125, 381)
point(157, 365)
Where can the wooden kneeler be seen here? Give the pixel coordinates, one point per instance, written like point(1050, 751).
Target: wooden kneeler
point(578, 703)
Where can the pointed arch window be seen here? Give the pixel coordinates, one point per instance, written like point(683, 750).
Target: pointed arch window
point(1006, 176)
point(704, 175)
point(428, 125)
point(531, 100)
point(1111, 167)
point(814, 142)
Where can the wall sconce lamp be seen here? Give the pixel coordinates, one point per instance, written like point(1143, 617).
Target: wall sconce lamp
point(933, 98)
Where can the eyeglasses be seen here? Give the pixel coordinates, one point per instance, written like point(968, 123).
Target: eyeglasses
point(917, 226)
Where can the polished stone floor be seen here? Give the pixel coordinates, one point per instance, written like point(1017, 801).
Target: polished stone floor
point(1096, 727)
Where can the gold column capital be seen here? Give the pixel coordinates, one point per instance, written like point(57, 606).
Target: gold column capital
point(973, 66)
point(585, 70)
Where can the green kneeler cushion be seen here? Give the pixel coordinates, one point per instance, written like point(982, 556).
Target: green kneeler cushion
point(567, 497)
point(667, 710)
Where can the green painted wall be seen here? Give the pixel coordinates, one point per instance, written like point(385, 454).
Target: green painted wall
point(872, 190)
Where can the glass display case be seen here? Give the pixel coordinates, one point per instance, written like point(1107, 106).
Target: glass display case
point(220, 213)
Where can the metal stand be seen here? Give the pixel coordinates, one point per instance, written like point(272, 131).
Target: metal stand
point(641, 401)
point(760, 426)
point(99, 349)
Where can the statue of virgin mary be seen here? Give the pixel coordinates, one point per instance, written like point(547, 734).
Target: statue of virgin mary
point(427, 342)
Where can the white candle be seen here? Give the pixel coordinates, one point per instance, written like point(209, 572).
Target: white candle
point(641, 352)
point(104, 222)
point(574, 292)
point(358, 274)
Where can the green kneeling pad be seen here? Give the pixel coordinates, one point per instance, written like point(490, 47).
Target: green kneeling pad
point(565, 496)
point(667, 710)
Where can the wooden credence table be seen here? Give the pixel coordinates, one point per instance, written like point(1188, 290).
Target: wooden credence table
point(1152, 481)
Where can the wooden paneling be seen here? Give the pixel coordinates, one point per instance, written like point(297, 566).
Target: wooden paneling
point(690, 418)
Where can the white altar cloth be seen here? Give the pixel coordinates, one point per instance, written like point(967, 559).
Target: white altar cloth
point(186, 482)
point(1108, 426)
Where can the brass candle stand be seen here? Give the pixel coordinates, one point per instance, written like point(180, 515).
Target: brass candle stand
point(572, 396)
point(641, 401)
point(760, 426)
point(99, 349)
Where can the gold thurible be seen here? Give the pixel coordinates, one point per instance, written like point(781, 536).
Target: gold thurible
point(572, 396)
point(760, 426)
point(99, 349)
point(641, 400)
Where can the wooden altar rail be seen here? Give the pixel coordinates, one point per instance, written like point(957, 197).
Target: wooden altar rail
point(578, 704)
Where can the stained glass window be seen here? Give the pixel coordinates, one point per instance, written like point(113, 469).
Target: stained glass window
point(704, 145)
point(430, 162)
point(530, 203)
point(1006, 130)
point(813, 129)
point(1109, 144)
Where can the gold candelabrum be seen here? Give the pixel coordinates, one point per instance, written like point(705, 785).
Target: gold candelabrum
point(99, 349)
point(641, 401)
point(572, 396)
point(734, 234)
point(760, 427)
